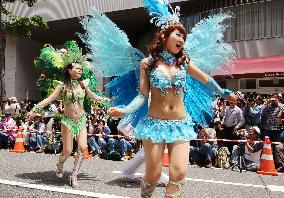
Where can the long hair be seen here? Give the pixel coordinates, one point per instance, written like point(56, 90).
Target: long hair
point(158, 44)
point(67, 77)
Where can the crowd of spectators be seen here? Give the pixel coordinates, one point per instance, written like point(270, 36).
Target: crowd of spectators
point(248, 117)
point(245, 116)
point(104, 139)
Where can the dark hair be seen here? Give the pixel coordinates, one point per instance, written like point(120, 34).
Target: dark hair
point(67, 78)
point(157, 45)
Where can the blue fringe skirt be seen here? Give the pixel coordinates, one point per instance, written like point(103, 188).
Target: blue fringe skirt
point(167, 131)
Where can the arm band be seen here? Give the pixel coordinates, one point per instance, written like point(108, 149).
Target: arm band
point(134, 105)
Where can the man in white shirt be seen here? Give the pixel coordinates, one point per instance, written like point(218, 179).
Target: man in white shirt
point(233, 120)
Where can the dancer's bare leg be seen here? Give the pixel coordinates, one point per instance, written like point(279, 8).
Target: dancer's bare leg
point(154, 157)
point(79, 157)
point(67, 140)
point(179, 157)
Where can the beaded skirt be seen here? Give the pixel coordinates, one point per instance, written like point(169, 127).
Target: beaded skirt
point(167, 131)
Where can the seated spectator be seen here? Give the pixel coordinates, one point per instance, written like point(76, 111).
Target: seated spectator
point(279, 154)
point(203, 154)
point(252, 151)
point(219, 130)
point(40, 140)
point(279, 149)
point(120, 144)
point(8, 136)
point(104, 133)
point(92, 140)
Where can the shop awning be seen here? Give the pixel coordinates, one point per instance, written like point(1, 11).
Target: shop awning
point(253, 67)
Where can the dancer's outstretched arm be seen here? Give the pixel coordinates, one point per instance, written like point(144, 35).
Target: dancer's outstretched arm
point(206, 79)
point(92, 95)
point(38, 107)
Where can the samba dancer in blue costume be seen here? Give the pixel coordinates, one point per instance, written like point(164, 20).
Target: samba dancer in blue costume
point(176, 98)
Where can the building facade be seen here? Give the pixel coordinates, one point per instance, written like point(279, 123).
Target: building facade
point(256, 33)
point(63, 18)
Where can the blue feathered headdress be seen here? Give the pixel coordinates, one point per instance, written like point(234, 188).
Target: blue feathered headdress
point(162, 12)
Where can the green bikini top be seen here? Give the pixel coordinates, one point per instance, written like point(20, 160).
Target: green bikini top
point(67, 96)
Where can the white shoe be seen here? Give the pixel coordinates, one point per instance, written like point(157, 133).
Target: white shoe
point(59, 175)
point(164, 179)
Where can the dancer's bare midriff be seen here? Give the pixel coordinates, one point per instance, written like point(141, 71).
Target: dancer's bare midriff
point(167, 107)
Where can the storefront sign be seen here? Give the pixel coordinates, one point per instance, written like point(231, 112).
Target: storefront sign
point(274, 74)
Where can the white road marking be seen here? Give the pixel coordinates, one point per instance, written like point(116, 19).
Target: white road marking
point(56, 189)
point(272, 188)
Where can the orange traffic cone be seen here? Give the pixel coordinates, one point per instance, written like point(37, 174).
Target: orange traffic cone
point(266, 162)
point(166, 160)
point(19, 144)
point(87, 156)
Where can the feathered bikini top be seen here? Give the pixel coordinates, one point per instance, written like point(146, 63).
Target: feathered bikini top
point(160, 80)
point(67, 96)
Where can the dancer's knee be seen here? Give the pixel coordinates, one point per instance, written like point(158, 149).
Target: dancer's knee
point(82, 148)
point(67, 152)
point(153, 177)
point(177, 173)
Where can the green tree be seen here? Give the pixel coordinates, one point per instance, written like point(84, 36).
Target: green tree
point(18, 26)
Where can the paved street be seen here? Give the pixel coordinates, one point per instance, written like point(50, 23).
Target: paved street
point(33, 175)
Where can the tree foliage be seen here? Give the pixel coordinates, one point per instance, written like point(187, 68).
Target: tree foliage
point(17, 25)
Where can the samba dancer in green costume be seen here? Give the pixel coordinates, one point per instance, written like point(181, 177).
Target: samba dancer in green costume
point(73, 91)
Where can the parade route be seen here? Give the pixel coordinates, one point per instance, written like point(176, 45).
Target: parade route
point(33, 175)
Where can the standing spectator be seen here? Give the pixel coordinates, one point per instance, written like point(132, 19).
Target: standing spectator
point(252, 151)
point(269, 122)
point(9, 134)
point(14, 107)
point(252, 112)
point(207, 149)
point(232, 121)
point(7, 104)
point(41, 139)
point(52, 110)
point(23, 107)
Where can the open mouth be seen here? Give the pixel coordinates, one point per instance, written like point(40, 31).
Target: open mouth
point(179, 45)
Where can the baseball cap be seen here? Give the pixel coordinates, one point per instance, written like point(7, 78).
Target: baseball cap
point(256, 129)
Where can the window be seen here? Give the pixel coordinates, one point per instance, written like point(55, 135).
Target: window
point(262, 19)
point(248, 84)
point(271, 83)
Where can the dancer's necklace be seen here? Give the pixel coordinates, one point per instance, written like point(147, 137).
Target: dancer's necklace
point(74, 84)
point(168, 57)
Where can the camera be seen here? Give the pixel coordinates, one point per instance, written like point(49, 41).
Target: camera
point(241, 134)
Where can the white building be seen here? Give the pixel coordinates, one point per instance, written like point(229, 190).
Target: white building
point(256, 33)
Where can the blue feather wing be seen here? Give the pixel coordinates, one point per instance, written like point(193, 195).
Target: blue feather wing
point(111, 54)
point(109, 49)
point(123, 90)
point(208, 51)
point(198, 100)
point(205, 45)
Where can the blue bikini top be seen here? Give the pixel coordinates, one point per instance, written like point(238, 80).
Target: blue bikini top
point(160, 80)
